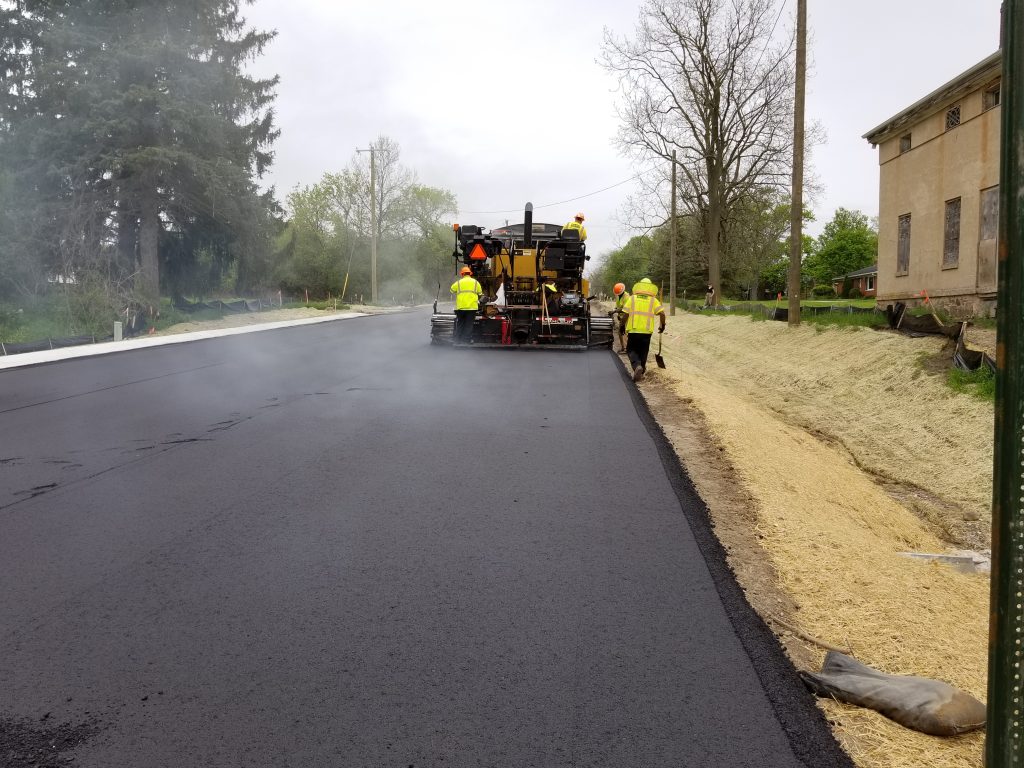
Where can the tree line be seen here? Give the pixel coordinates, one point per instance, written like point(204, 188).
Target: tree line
point(707, 87)
point(755, 256)
point(325, 244)
point(132, 147)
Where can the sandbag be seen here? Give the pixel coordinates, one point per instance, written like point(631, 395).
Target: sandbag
point(929, 706)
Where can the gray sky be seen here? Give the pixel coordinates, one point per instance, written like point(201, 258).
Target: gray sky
point(504, 103)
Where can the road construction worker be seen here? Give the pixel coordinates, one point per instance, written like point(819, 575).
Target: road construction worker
point(467, 293)
point(577, 224)
point(641, 310)
point(621, 297)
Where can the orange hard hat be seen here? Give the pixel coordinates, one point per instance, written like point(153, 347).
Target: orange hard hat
point(465, 271)
point(619, 288)
point(580, 215)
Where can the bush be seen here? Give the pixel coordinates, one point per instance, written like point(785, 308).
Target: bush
point(823, 291)
point(854, 293)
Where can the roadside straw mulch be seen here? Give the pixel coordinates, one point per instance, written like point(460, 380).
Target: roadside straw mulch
point(867, 391)
point(831, 533)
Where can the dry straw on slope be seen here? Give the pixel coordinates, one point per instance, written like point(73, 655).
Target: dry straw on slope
point(769, 394)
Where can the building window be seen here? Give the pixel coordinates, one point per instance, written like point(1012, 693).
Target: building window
point(953, 117)
point(951, 243)
point(903, 246)
point(905, 143)
point(989, 229)
point(869, 283)
point(990, 98)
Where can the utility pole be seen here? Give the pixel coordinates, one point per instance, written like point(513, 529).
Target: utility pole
point(672, 244)
point(1004, 740)
point(373, 223)
point(796, 246)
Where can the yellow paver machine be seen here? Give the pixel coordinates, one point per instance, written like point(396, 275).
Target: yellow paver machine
point(534, 292)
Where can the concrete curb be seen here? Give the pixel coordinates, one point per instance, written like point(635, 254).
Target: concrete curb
point(26, 359)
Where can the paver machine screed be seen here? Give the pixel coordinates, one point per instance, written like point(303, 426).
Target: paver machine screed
point(534, 292)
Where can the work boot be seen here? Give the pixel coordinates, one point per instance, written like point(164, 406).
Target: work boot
point(638, 373)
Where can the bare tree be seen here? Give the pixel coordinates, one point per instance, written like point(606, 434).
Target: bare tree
point(705, 78)
point(351, 190)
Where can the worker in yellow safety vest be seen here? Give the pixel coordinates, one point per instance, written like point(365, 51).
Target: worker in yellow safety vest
point(467, 291)
point(641, 309)
point(577, 224)
point(619, 289)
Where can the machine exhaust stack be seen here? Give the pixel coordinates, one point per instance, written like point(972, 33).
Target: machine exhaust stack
point(528, 227)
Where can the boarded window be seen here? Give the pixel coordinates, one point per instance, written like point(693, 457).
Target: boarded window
point(990, 98)
point(989, 214)
point(905, 143)
point(951, 242)
point(903, 246)
point(953, 117)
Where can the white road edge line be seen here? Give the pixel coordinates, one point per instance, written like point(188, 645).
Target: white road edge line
point(107, 347)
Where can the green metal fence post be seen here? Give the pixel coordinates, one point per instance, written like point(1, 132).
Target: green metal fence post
point(1004, 745)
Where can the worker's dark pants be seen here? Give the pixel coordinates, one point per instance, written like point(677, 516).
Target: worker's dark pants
point(637, 347)
point(464, 324)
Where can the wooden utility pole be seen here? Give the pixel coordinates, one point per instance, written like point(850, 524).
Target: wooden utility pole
point(796, 247)
point(373, 223)
point(672, 244)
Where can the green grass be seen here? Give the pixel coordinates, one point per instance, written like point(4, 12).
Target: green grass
point(836, 319)
point(48, 317)
point(843, 320)
point(861, 303)
point(34, 320)
point(980, 383)
point(984, 322)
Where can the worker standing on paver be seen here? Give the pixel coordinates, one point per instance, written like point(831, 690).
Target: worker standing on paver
point(619, 316)
point(577, 224)
point(641, 310)
point(467, 291)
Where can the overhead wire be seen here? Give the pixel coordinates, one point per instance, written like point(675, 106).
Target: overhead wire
point(771, 34)
point(560, 202)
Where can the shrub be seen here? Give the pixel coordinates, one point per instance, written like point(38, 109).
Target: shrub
point(823, 291)
point(854, 293)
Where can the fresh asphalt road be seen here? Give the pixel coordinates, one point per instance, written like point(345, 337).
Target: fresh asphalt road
point(336, 545)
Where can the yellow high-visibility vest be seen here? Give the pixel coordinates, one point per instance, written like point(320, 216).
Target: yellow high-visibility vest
point(467, 292)
point(621, 301)
point(642, 309)
point(576, 225)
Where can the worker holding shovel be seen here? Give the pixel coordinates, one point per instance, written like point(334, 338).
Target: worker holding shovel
point(641, 310)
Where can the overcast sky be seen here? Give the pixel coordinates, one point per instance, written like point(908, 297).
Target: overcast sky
point(504, 103)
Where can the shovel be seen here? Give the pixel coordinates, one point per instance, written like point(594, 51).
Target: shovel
point(658, 358)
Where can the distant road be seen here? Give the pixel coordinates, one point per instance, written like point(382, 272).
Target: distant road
point(335, 545)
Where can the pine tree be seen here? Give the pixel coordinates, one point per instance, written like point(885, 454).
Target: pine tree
point(143, 134)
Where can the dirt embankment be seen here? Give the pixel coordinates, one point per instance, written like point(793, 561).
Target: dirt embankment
point(823, 454)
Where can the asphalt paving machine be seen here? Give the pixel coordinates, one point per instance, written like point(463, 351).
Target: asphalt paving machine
point(534, 292)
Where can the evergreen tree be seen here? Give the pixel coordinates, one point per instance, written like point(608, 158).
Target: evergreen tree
point(139, 133)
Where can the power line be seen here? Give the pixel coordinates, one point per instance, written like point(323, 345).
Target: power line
point(771, 34)
point(561, 202)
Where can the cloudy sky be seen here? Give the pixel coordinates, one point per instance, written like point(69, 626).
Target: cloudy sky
point(504, 103)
